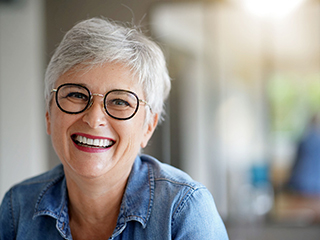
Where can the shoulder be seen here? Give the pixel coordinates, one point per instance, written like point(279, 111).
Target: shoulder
point(18, 204)
point(28, 191)
point(172, 184)
point(167, 173)
point(187, 203)
point(175, 187)
point(41, 180)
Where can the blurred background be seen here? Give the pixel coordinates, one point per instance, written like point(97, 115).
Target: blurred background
point(242, 117)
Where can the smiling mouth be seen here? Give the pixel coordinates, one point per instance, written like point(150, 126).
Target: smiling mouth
point(91, 143)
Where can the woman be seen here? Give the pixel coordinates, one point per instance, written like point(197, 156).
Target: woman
point(105, 88)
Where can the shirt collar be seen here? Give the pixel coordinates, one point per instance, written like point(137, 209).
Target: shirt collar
point(138, 198)
point(136, 203)
point(53, 201)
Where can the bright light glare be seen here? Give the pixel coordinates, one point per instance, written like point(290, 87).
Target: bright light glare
point(272, 8)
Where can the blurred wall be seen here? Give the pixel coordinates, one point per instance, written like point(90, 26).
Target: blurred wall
point(22, 130)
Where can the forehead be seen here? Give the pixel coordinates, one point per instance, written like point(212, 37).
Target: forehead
point(102, 78)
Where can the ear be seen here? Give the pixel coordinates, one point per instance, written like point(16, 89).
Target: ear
point(48, 123)
point(149, 129)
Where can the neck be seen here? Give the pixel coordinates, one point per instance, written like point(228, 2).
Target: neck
point(95, 196)
point(95, 203)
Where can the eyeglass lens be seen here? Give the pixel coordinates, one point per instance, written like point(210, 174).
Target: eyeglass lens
point(119, 104)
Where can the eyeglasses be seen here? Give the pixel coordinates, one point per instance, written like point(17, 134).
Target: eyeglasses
point(119, 104)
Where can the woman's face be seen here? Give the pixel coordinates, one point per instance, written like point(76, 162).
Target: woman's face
point(124, 137)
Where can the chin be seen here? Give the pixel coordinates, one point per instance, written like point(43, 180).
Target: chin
point(89, 170)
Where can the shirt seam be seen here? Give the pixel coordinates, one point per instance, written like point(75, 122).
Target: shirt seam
point(151, 192)
point(12, 213)
point(179, 183)
point(182, 203)
point(41, 181)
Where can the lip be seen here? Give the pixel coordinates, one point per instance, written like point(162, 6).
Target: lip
point(91, 149)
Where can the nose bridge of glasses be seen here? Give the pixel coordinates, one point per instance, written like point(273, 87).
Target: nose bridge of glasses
point(97, 94)
point(91, 100)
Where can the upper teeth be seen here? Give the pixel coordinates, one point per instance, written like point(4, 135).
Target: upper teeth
point(94, 142)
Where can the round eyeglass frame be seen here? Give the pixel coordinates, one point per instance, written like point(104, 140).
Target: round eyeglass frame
point(90, 102)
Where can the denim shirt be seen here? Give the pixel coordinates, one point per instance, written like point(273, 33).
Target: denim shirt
point(160, 202)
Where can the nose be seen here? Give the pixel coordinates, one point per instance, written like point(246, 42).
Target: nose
point(95, 116)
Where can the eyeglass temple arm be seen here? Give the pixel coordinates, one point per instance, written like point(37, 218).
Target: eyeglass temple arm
point(146, 103)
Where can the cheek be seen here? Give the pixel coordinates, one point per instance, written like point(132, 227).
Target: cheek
point(58, 125)
point(57, 132)
point(130, 135)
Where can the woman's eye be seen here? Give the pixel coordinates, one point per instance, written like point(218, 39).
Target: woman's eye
point(119, 103)
point(78, 96)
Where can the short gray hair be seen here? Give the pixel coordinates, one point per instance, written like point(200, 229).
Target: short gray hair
point(97, 41)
